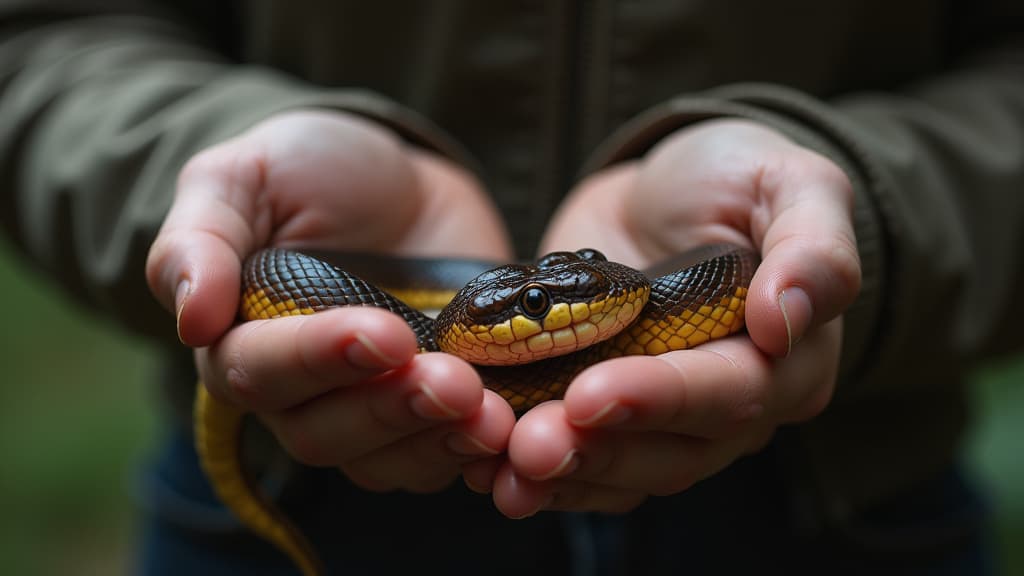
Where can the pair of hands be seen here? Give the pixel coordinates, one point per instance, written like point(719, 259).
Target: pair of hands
point(346, 388)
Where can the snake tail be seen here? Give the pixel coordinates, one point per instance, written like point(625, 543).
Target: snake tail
point(217, 433)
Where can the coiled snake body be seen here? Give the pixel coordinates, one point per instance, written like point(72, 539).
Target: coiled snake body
point(529, 329)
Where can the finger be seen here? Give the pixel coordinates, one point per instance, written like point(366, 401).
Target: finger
point(660, 463)
point(479, 475)
point(417, 469)
point(813, 361)
point(547, 447)
point(649, 462)
point(485, 433)
point(544, 445)
point(519, 497)
point(427, 461)
point(271, 365)
point(712, 391)
point(810, 269)
point(193, 267)
point(706, 392)
point(347, 423)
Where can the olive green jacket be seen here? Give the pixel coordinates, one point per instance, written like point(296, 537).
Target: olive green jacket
point(921, 103)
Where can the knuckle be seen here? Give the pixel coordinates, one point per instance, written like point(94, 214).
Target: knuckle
point(823, 170)
point(740, 417)
point(238, 380)
point(245, 373)
point(836, 179)
point(241, 386)
point(838, 261)
point(844, 260)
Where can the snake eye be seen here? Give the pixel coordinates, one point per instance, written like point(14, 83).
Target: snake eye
point(535, 301)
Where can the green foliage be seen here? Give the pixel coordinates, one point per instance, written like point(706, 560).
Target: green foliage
point(994, 451)
point(75, 419)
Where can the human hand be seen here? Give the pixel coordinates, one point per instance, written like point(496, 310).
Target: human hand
point(342, 388)
point(639, 426)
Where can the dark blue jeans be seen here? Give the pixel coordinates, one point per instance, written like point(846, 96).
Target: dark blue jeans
point(746, 519)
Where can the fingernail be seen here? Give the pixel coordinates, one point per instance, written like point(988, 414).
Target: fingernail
point(363, 353)
point(466, 445)
point(797, 312)
point(613, 413)
point(568, 465)
point(429, 407)
point(181, 294)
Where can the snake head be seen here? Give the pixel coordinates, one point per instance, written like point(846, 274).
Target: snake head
point(517, 314)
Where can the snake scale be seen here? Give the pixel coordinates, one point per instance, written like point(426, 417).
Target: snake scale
point(529, 329)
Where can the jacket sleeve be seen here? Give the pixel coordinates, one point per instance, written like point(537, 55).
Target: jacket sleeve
point(98, 112)
point(938, 175)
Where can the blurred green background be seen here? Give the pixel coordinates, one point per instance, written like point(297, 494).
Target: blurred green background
point(77, 416)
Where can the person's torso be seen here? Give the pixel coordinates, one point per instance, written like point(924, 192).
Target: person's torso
point(530, 89)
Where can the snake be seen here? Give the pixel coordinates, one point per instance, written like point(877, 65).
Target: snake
point(528, 329)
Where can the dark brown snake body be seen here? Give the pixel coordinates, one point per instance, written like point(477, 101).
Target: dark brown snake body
point(529, 329)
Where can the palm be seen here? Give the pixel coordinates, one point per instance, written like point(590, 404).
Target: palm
point(337, 182)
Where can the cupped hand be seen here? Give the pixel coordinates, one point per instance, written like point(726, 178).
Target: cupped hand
point(654, 425)
point(343, 388)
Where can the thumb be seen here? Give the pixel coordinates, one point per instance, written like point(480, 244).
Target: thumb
point(810, 269)
point(194, 264)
